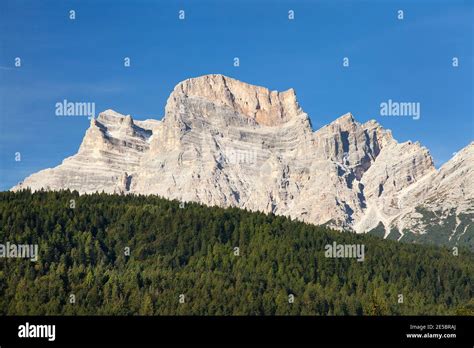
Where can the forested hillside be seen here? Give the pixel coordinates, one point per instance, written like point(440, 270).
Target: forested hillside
point(183, 260)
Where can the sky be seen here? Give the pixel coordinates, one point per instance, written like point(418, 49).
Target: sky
point(82, 60)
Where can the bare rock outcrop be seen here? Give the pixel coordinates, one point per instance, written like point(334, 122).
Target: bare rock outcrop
point(228, 143)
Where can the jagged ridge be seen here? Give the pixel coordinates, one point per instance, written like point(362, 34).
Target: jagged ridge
point(228, 143)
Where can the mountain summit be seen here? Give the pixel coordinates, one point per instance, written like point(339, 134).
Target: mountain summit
point(258, 104)
point(228, 143)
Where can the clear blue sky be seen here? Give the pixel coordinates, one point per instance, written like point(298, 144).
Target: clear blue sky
point(82, 60)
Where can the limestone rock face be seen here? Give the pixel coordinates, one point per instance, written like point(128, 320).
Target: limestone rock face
point(264, 107)
point(441, 199)
point(228, 143)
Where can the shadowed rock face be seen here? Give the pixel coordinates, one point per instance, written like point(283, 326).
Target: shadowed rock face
point(224, 142)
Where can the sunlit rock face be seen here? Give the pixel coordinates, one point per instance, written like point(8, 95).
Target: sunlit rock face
point(228, 143)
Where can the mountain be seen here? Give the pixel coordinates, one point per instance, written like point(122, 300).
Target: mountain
point(228, 143)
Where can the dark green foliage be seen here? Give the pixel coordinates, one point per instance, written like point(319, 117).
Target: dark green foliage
point(394, 234)
point(378, 231)
point(467, 235)
point(190, 251)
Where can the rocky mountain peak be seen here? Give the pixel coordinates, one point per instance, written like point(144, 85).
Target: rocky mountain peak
point(228, 143)
point(265, 107)
point(111, 117)
point(345, 120)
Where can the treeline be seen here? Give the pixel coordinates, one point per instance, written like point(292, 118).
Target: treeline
point(127, 255)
